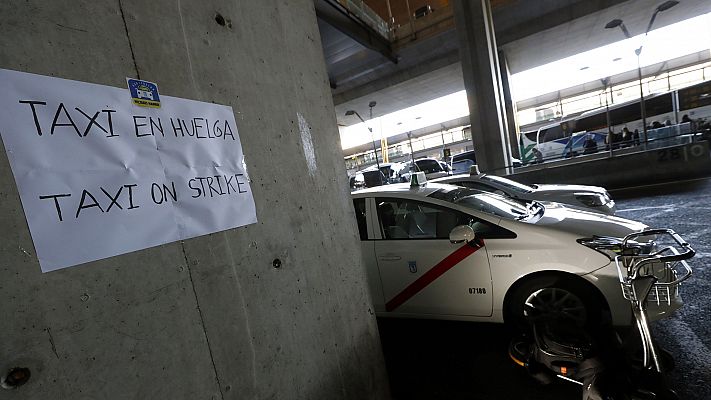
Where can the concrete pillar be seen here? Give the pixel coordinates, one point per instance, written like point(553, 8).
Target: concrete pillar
point(482, 80)
point(210, 317)
point(509, 106)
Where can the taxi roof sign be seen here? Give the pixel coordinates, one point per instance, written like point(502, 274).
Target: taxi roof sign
point(418, 179)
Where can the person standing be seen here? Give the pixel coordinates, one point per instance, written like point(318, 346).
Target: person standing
point(626, 137)
point(590, 145)
point(538, 155)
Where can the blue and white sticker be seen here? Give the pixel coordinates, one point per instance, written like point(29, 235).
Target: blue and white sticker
point(144, 93)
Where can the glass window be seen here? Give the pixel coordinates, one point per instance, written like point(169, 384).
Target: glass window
point(373, 178)
point(551, 134)
point(658, 85)
point(360, 217)
point(695, 96)
point(461, 167)
point(428, 166)
point(474, 185)
point(508, 183)
point(407, 219)
point(531, 136)
point(684, 79)
point(484, 202)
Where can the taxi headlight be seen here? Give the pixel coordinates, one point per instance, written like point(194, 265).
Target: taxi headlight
point(610, 247)
point(591, 199)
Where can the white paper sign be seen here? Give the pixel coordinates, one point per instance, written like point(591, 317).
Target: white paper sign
point(99, 176)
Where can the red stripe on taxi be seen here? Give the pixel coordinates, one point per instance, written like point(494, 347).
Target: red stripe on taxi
point(431, 275)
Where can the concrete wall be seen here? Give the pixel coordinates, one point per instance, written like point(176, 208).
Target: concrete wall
point(210, 317)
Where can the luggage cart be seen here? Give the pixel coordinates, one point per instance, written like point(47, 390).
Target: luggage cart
point(649, 274)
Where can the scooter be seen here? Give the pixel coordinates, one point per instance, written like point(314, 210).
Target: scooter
point(605, 365)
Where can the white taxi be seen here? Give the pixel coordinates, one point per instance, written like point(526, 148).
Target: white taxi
point(593, 198)
point(447, 252)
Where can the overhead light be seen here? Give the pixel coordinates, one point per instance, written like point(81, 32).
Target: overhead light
point(662, 7)
point(667, 5)
point(618, 22)
point(613, 24)
point(353, 112)
point(617, 59)
point(584, 68)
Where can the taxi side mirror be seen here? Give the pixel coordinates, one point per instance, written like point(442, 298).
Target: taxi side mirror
point(461, 234)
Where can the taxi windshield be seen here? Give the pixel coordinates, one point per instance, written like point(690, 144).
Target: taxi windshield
point(508, 183)
point(485, 202)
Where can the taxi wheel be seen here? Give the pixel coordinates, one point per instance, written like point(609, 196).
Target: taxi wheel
point(553, 298)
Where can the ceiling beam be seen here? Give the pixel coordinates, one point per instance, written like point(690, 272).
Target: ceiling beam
point(333, 13)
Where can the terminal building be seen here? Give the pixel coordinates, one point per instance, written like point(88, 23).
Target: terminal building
point(546, 90)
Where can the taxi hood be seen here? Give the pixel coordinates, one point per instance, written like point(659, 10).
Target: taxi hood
point(586, 224)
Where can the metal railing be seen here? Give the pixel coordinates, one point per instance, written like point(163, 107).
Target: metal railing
point(367, 15)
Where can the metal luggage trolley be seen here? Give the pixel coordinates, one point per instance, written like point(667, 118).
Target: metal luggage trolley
point(650, 273)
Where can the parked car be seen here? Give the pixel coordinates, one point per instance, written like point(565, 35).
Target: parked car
point(392, 171)
point(461, 162)
point(584, 143)
point(372, 176)
point(356, 181)
point(447, 252)
point(431, 167)
point(592, 198)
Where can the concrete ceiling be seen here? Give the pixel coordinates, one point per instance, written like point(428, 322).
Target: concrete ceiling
point(587, 33)
point(531, 33)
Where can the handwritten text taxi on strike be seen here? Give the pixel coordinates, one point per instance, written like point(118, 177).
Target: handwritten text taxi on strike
point(209, 186)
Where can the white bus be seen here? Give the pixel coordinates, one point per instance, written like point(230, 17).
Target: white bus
point(565, 137)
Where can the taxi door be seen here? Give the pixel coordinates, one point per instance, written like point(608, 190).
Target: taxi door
point(421, 271)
